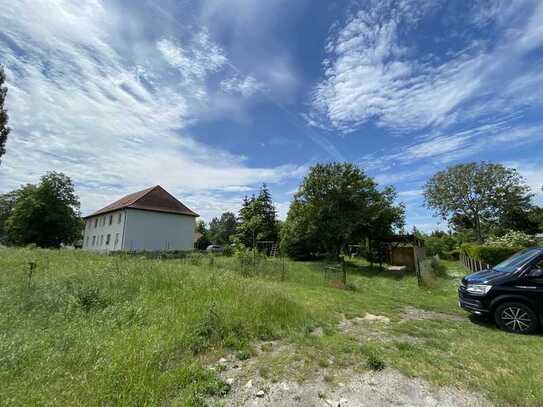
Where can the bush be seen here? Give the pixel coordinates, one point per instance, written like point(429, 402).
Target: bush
point(513, 239)
point(452, 254)
point(440, 245)
point(438, 268)
point(489, 254)
point(228, 251)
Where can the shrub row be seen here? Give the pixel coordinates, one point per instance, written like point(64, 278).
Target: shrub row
point(488, 254)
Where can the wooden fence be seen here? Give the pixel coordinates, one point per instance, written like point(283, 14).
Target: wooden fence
point(472, 264)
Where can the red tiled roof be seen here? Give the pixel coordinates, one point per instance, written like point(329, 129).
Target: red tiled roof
point(151, 199)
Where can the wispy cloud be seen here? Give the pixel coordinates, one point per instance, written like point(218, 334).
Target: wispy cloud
point(112, 119)
point(372, 73)
point(247, 86)
point(201, 57)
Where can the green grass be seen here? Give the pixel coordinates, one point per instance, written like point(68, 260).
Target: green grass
point(92, 330)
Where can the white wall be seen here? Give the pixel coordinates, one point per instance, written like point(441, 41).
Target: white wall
point(101, 231)
point(148, 230)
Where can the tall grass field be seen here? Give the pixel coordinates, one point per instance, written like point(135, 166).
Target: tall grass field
point(89, 329)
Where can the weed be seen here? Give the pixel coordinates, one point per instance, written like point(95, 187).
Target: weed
point(208, 331)
point(264, 372)
point(323, 363)
point(198, 384)
point(266, 347)
point(89, 299)
point(375, 362)
point(243, 354)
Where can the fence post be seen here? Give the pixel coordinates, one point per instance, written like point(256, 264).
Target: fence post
point(344, 269)
point(418, 273)
point(31, 268)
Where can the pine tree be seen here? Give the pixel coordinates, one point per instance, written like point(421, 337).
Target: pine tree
point(257, 219)
point(4, 129)
point(268, 214)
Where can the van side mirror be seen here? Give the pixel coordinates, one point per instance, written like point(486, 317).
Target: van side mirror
point(536, 272)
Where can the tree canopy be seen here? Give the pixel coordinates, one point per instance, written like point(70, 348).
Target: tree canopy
point(46, 214)
point(7, 203)
point(481, 196)
point(257, 219)
point(4, 129)
point(223, 228)
point(338, 204)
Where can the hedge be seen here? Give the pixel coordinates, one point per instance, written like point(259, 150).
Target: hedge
point(491, 255)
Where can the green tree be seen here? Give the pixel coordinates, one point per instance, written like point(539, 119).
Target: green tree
point(4, 129)
point(46, 214)
point(257, 219)
point(524, 217)
point(7, 203)
point(223, 228)
point(338, 204)
point(476, 194)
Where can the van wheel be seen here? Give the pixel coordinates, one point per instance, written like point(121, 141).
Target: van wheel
point(516, 317)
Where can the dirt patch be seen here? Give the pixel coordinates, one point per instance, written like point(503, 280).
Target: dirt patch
point(385, 388)
point(376, 318)
point(415, 314)
point(348, 325)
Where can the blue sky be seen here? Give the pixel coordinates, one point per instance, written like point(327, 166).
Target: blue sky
point(212, 98)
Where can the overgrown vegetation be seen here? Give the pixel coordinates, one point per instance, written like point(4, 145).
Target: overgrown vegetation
point(126, 330)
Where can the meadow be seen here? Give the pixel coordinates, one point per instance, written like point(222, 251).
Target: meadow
point(89, 329)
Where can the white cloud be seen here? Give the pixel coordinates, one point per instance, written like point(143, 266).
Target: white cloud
point(247, 86)
point(372, 73)
point(201, 58)
point(114, 120)
point(443, 147)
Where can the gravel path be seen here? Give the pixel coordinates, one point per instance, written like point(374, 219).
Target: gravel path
point(384, 388)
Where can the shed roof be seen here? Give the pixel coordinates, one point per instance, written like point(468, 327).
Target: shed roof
point(155, 199)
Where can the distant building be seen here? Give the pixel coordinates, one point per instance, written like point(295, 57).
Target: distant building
point(151, 219)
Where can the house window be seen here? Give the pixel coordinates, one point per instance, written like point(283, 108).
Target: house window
point(101, 240)
point(110, 219)
point(87, 241)
point(108, 238)
point(120, 217)
point(116, 239)
point(96, 222)
point(93, 240)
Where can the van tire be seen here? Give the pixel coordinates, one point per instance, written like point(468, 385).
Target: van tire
point(516, 317)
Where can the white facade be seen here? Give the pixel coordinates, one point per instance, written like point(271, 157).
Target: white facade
point(136, 229)
point(105, 232)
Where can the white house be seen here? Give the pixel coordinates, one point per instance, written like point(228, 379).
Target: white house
point(151, 219)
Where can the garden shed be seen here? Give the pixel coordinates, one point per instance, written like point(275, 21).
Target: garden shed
point(404, 250)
